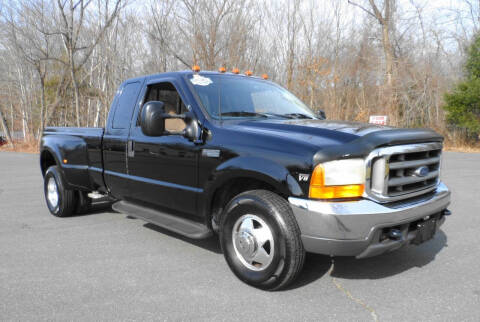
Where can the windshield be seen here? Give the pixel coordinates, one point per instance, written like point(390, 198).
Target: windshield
point(232, 96)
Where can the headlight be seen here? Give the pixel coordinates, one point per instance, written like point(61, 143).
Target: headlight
point(338, 179)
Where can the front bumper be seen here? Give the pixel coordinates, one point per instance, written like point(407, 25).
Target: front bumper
point(357, 228)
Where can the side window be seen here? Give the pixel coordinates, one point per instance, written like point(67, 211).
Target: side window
point(125, 106)
point(167, 93)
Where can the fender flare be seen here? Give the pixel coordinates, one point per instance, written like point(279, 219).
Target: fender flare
point(260, 169)
point(74, 150)
point(54, 153)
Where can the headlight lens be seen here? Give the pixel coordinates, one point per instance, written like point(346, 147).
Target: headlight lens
point(338, 179)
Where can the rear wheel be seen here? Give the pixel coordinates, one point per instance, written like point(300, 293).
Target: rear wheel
point(261, 241)
point(84, 203)
point(60, 201)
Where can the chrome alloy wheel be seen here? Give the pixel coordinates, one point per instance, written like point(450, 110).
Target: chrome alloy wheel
point(52, 192)
point(253, 242)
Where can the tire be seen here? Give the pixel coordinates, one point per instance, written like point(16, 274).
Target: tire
point(84, 203)
point(65, 202)
point(260, 239)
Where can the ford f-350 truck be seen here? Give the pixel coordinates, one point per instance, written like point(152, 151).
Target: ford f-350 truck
point(200, 153)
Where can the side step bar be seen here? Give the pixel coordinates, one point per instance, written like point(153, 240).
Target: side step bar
point(179, 225)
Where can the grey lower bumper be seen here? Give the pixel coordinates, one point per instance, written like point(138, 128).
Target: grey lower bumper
point(352, 228)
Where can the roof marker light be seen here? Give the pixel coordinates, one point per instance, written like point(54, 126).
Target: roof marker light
point(248, 73)
point(265, 76)
point(196, 68)
point(222, 70)
point(236, 71)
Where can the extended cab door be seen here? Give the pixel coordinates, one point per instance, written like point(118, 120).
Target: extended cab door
point(163, 170)
point(115, 138)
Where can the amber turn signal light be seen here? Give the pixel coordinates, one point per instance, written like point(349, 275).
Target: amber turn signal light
point(318, 189)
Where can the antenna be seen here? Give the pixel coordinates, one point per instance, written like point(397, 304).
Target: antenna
point(220, 98)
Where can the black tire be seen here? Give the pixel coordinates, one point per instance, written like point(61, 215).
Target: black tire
point(84, 203)
point(288, 252)
point(67, 199)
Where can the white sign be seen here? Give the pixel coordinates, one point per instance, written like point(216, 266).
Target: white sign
point(378, 119)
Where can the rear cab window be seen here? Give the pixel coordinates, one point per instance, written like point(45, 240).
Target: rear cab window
point(125, 106)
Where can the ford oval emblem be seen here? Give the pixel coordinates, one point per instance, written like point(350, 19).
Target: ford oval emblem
point(421, 171)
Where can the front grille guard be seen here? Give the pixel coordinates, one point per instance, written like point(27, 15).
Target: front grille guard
point(377, 171)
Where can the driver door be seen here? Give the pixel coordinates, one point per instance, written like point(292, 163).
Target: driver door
point(163, 169)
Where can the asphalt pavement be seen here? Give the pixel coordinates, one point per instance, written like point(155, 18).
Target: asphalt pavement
point(108, 266)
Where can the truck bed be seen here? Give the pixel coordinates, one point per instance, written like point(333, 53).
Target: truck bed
point(81, 154)
point(92, 132)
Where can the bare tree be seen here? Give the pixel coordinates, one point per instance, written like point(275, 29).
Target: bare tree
point(27, 24)
point(72, 23)
point(62, 60)
point(384, 19)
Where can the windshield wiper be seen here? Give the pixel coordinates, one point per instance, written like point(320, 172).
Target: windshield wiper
point(298, 116)
point(243, 113)
point(266, 115)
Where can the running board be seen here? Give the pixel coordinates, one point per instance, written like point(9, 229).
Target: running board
point(179, 225)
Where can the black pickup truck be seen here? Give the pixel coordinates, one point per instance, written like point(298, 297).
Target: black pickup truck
point(210, 152)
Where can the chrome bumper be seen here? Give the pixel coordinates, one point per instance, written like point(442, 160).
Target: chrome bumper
point(352, 228)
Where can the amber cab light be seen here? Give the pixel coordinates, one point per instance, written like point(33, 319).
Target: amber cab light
point(222, 70)
point(196, 68)
point(265, 76)
point(248, 73)
point(318, 189)
point(236, 71)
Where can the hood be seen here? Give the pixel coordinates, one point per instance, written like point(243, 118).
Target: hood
point(317, 126)
point(336, 139)
point(315, 132)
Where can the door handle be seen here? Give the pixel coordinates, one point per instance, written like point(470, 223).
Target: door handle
point(130, 149)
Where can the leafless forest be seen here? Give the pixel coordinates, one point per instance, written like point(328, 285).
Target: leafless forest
point(62, 60)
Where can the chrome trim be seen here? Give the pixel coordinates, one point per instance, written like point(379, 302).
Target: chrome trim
point(349, 226)
point(52, 192)
point(250, 235)
point(377, 191)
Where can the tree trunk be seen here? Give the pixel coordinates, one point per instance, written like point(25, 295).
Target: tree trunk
point(42, 107)
point(77, 94)
point(388, 51)
point(6, 130)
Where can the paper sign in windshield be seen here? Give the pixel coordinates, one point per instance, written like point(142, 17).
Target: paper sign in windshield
point(200, 80)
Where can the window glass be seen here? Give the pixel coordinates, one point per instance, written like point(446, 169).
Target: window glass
point(166, 93)
point(125, 106)
point(235, 96)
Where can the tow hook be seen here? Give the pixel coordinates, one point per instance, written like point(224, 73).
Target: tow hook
point(447, 212)
point(394, 234)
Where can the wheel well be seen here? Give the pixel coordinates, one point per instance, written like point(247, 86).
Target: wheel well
point(230, 189)
point(46, 161)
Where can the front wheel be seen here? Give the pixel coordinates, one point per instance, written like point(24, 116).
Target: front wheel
point(60, 201)
point(261, 241)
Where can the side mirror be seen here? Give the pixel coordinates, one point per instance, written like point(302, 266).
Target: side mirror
point(152, 119)
point(152, 122)
point(321, 114)
point(192, 131)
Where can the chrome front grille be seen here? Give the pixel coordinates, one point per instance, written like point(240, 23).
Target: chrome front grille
point(403, 171)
